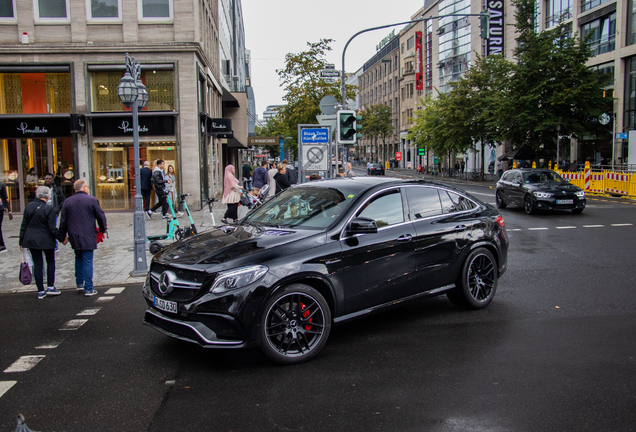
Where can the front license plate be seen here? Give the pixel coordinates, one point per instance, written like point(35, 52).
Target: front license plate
point(565, 201)
point(165, 305)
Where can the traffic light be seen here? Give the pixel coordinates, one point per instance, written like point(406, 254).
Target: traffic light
point(484, 24)
point(348, 127)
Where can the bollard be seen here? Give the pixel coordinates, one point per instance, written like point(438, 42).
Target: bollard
point(534, 164)
point(587, 175)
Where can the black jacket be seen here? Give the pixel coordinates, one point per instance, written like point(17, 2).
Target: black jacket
point(38, 230)
point(291, 174)
point(79, 214)
point(58, 198)
point(145, 174)
point(281, 182)
point(4, 198)
point(158, 180)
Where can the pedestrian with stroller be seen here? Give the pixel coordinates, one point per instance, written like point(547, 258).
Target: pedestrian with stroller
point(260, 178)
point(38, 233)
point(80, 213)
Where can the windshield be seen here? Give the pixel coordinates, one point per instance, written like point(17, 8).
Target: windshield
point(307, 207)
point(376, 165)
point(542, 176)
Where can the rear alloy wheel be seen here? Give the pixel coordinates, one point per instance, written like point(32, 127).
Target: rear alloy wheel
point(500, 202)
point(295, 325)
point(477, 283)
point(528, 204)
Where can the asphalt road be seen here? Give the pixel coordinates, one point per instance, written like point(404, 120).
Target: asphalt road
point(556, 350)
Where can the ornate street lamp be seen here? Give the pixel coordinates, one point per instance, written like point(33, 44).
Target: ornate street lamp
point(133, 93)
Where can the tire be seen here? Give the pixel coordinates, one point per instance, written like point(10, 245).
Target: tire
point(528, 205)
point(500, 202)
point(295, 325)
point(577, 211)
point(178, 234)
point(477, 282)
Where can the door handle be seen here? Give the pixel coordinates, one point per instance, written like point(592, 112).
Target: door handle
point(460, 228)
point(405, 238)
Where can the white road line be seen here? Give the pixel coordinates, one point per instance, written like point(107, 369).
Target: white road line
point(621, 224)
point(593, 226)
point(566, 227)
point(515, 229)
point(74, 324)
point(50, 345)
point(538, 229)
point(5, 386)
point(88, 312)
point(107, 298)
point(114, 291)
point(24, 363)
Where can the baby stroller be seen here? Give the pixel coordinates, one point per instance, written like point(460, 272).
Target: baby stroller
point(253, 201)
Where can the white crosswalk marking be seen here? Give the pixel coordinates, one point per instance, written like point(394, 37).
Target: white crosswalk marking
point(117, 290)
point(88, 312)
point(538, 229)
point(50, 345)
point(566, 227)
point(24, 363)
point(74, 324)
point(105, 298)
point(5, 386)
point(593, 226)
point(622, 224)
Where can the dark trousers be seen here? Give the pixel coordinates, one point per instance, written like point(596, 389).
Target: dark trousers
point(162, 202)
point(232, 211)
point(38, 267)
point(145, 194)
point(1, 217)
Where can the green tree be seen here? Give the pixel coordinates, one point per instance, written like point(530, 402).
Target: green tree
point(551, 87)
point(304, 88)
point(377, 123)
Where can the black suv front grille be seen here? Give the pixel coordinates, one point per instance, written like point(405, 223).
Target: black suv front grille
point(186, 288)
point(186, 275)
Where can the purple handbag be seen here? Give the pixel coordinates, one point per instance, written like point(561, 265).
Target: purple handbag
point(25, 273)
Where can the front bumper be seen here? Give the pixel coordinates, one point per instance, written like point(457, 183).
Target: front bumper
point(554, 203)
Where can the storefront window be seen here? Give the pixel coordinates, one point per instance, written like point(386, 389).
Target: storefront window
point(159, 84)
point(10, 173)
point(35, 93)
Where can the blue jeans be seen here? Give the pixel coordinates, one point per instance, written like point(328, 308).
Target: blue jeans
point(84, 269)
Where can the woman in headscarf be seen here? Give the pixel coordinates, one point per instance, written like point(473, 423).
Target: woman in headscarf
point(231, 194)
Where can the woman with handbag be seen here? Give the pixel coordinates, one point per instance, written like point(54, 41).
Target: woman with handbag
point(38, 233)
point(281, 179)
point(231, 194)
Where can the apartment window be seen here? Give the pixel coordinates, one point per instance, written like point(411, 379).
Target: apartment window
point(557, 10)
point(51, 10)
point(629, 119)
point(591, 4)
point(603, 31)
point(631, 22)
point(607, 70)
point(103, 10)
point(7, 10)
point(155, 10)
point(402, 48)
point(410, 43)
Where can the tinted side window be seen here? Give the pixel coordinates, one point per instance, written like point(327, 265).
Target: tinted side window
point(461, 203)
point(447, 204)
point(385, 209)
point(423, 202)
point(518, 177)
point(508, 176)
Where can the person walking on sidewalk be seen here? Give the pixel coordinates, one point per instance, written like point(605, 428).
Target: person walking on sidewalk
point(145, 174)
point(290, 173)
point(57, 199)
point(261, 178)
point(4, 206)
point(231, 194)
point(159, 182)
point(171, 189)
point(38, 233)
point(79, 214)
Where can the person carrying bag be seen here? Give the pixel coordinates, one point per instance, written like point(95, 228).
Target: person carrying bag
point(231, 194)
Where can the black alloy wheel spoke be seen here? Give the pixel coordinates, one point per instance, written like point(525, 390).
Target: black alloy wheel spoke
point(273, 326)
point(306, 319)
point(289, 344)
point(273, 335)
point(318, 333)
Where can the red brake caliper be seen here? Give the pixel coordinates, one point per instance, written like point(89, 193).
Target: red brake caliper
point(306, 313)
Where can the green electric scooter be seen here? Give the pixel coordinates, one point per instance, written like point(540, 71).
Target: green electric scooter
point(174, 231)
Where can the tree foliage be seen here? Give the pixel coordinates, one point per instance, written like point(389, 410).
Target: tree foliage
point(377, 122)
point(304, 88)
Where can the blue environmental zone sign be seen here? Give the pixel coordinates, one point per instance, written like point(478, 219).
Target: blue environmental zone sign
point(315, 136)
point(621, 136)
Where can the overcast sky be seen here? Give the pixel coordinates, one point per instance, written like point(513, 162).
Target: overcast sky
point(274, 28)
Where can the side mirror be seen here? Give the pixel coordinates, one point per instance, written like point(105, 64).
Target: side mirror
point(362, 225)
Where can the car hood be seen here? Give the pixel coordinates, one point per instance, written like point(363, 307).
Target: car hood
point(554, 187)
point(229, 243)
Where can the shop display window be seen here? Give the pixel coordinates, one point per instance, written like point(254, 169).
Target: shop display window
point(35, 93)
point(159, 84)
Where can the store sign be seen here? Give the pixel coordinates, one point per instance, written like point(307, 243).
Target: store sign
point(219, 125)
point(419, 76)
point(122, 126)
point(35, 127)
point(495, 42)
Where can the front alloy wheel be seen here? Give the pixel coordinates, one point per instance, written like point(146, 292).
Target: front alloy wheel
point(295, 325)
point(528, 204)
point(477, 283)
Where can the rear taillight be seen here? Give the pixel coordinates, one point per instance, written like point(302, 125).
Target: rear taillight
point(500, 221)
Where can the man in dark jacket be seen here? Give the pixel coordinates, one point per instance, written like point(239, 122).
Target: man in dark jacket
point(159, 182)
point(260, 178)
point(290, 173)
point(79, 214)
point(4, 206)
point(145, 174)
point(247, 176)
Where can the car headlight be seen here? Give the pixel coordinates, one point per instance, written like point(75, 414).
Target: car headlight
point(237, 278)
point(580, 194)
point(543, 195)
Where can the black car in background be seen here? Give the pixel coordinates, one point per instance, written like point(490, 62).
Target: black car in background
point(375, 168)
point(319, 254)
point(538, 189)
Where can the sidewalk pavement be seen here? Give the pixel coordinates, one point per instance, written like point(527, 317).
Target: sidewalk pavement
point(113, 259)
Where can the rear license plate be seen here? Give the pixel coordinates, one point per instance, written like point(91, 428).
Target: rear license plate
point(565, 201)
point(165, 305)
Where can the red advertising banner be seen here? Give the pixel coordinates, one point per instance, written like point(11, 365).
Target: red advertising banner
point(419, 76)
point(398, 156)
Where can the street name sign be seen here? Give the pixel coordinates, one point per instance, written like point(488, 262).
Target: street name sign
point(315, 136)
point(329, 73)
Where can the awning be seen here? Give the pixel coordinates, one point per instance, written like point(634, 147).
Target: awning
point(229, 100)
point(234, 143)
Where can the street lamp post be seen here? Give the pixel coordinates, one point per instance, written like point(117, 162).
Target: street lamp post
point(132, 92)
